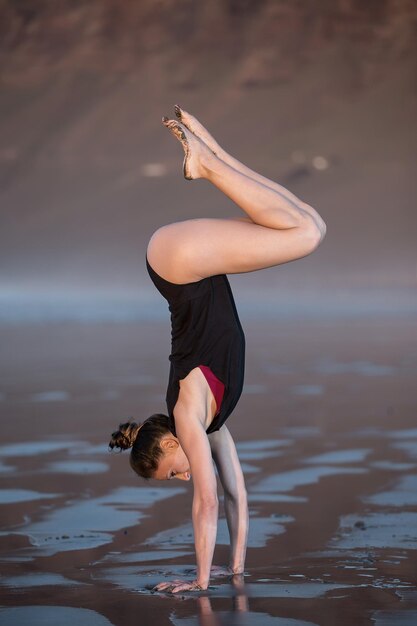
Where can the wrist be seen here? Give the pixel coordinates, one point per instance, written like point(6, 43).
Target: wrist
point(203, 584)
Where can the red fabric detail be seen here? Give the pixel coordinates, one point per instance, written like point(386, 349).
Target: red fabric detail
point(216, 386)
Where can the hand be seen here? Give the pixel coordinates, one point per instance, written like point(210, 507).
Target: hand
point(218, 570)
point(174, 586)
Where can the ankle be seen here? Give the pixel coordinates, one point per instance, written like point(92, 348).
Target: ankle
point(209, 164)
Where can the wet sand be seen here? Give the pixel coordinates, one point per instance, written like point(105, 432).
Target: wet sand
point(327, 435)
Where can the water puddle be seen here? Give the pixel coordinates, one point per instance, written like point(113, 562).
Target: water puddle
point(261, 449)
point(285, 590)
point(357, 455)
point(51, 616)
point(89, 523)
point(35, 448)
point(78, 467)
point(262, 444)
point(12, 496)
point(237, 618)
point(408, 595)
point(38, 579)
point(287, 481)
point(141, 557)
point(403, 617)
point(249, 469)
point(392, 466)
point(86, 448)
point(409, 447)
point(143, 578)
point(260, 530)
point(377, 530)
point(403, 494)
point(274, 497)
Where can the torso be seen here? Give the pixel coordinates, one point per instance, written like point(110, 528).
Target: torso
point(205, 331)
point(198, 389)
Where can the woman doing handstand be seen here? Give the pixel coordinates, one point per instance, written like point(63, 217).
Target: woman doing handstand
point(188, 261)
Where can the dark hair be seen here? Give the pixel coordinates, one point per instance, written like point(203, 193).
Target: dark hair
point(144, 440)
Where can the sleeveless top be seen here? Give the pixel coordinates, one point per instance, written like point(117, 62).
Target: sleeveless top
point(205, 330)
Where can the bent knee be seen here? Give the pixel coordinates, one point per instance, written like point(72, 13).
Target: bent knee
point(314, 232)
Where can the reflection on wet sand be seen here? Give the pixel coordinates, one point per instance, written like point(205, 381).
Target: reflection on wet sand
point(37, 579)
point(51, 616)
point(10, 496)
point(260, 530)
point(287, 481)
point(331, 481)
point(90, 523)
point(404, 493)
point(239, 613)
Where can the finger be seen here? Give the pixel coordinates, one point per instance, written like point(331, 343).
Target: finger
point(184, 587)
point(162, 586)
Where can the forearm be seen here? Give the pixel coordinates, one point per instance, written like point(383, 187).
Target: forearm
point(205, 530)
point(237, 516)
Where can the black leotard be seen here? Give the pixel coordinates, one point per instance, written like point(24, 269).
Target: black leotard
point(205, 330)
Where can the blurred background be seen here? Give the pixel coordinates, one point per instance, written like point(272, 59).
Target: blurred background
point(318, 96)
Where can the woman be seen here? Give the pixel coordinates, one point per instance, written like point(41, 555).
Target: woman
point(187, 262)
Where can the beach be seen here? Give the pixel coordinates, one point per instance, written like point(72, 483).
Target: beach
point(327, 437)
point(320, 97)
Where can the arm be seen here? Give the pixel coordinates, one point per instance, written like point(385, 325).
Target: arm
point(235, 498)
point(190, 413)
point(194, 442)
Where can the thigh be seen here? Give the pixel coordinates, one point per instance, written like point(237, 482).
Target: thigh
point(194, 249)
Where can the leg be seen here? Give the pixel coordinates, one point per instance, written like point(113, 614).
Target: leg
point(280, 228)
point(202, 133)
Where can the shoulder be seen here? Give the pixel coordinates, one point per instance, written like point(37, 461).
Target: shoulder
point(190, 414)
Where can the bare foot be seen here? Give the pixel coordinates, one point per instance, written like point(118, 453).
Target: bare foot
point(195, 151)
point(197, 129)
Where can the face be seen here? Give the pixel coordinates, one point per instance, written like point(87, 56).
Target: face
point(173, 463)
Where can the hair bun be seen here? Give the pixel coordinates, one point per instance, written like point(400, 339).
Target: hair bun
point(125, 437)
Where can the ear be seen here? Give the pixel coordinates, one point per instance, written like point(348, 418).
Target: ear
point(169, 444)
